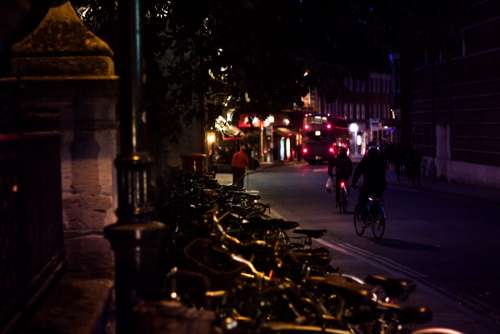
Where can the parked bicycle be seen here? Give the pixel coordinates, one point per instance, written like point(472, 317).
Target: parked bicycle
point(372, 216)
point(260, 274)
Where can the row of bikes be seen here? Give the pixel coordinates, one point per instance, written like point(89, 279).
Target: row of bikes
point(258, 274)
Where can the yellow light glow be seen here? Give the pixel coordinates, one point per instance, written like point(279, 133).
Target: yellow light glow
point(210, 138)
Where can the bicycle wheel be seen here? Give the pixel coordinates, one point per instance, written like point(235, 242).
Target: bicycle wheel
point(359, 224)
point(343, 204)
point(378, 227)
point(339, 206)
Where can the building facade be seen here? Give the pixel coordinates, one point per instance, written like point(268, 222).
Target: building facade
point(455, 113)
point(370, 103)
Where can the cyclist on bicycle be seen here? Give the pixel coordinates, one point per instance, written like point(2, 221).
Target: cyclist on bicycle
point(343, 170)
point(372, 167)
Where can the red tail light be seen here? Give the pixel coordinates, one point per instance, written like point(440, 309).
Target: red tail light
point(305, 150)
point(328, 126)
point(306, 127)
point(331, 149)
point(342, 184)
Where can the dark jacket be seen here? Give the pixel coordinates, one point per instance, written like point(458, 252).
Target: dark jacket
point(343, 167)
point(373, 171)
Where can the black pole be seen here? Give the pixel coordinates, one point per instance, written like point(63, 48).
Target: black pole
point(135, 238)
point(130, 74)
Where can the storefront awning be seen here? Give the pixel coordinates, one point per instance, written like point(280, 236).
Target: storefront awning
point(284, 132)
point(227, 129)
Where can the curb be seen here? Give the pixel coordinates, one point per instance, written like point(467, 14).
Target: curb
point(274, 165)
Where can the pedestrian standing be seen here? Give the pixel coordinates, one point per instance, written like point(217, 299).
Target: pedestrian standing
point(239, 163)
point(397, 161)
point(414, 161)
point(418, 166)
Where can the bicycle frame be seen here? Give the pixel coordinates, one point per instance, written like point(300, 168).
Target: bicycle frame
point(376, 207)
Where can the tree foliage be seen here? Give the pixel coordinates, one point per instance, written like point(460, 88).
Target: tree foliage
point(260, 48)
point(251, 55)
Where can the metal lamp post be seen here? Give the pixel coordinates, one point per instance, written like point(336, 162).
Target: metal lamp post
point(135, 238)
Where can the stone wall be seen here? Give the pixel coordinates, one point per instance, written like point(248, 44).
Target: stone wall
point(62, 68)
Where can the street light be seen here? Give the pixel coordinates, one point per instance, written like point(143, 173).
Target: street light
point(353, 127)
point(210, 137)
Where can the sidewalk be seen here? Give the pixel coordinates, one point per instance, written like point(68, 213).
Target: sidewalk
point(449, 188)
point(81, 300)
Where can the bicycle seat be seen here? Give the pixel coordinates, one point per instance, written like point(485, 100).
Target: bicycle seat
point(284, 224)
point(290, 327)
point(259, 223)
point(252, 192)
point(311, 233)
point(345, 288)
point(394, 287)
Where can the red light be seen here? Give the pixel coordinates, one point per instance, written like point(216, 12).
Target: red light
point(306, 127)
point(342, 184)
point(332, 150)
point(328, 126)
point(305, 150)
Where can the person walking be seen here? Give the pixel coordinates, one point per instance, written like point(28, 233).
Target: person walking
point(239, 163)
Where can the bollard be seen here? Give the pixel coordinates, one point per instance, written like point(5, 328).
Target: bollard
point(135, 239)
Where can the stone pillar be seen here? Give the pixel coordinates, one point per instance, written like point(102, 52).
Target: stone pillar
point(63, 68)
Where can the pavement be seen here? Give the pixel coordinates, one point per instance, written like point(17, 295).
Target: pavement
point(428, 184)
point(449, 310)
point(81, 300)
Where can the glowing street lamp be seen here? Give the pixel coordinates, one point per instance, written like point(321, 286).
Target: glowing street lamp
point(256, 122)
point(353, 127)
point(210, 137)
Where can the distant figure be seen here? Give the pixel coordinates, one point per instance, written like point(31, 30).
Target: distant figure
point(226, 155)
point(397, 160)
point(343, 170)
point(418, 166)
point(432, 170)
point(239, 163)
point(414, 162)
